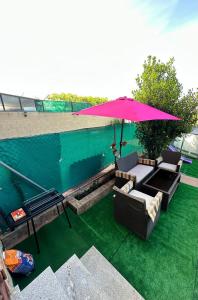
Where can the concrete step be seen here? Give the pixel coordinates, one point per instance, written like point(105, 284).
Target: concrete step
point(16, 294)
point(44, 287)
point(77, 282)
point(108, 278)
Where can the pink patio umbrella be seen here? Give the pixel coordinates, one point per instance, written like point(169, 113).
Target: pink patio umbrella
point(127, 109)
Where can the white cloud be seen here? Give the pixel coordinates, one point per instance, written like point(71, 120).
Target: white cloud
point(88, 47)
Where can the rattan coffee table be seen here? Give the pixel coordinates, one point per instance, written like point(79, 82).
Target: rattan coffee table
point(164, 181)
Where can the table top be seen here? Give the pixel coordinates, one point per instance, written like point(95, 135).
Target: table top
point(162, 180)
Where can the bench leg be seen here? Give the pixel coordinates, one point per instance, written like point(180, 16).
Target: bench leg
point(57, 209)
point(28, 228)
point(65, 210)
point(35, 236)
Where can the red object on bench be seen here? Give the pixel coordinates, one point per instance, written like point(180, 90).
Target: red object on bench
point(18, 214)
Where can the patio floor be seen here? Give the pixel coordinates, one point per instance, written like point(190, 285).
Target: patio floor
point(164, 267)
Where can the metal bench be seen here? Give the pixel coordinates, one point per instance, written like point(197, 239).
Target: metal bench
point(35, 206)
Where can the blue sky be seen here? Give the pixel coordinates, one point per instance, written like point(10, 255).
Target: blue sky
point(93, 47)
point(184, 11)
point(171, 13)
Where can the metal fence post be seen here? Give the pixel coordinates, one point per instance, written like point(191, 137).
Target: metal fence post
point(20, 104)
point(2, 102)
point(72, 107)
point(65, 106)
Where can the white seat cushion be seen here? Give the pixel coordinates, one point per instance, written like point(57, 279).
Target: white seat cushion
point(140, 171)
point(166, 166)
point(139, 195)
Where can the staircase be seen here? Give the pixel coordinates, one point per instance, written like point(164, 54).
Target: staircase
point(90, 278)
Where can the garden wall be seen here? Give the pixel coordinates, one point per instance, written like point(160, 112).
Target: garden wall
point(19, 124)
point(60, 160)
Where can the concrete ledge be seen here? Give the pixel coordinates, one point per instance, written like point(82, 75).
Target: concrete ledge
point(15, 124)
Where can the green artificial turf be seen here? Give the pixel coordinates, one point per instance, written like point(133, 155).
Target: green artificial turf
point(190, 169)
point(164, 267)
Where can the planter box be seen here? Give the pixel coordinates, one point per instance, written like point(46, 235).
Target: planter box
point(80, 206)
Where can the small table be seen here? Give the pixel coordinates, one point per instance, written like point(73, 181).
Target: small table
point(164, 181)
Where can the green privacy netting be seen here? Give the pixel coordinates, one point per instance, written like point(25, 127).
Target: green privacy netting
point(59, 106)
point(59, 160)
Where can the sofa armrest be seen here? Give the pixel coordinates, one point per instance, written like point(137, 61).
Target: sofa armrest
point(154, 206)
point(125, 175)
point(146, 161)
point(159, 196)
point(127, 187)
point(159, 160)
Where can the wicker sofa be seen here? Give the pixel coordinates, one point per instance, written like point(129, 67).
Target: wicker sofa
point(137, 211)
point(170, 161)
point(132, 167)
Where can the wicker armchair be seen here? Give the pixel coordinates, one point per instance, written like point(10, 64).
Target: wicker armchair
point(137, 211)
point(170, 161)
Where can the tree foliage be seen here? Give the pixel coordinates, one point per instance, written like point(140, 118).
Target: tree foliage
point(159, 87)
point(76, 98)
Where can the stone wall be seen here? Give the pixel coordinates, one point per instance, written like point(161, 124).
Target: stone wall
point(18, 124)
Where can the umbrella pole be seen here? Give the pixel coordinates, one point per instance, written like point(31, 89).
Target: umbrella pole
point(114, 134)
point(121, 137)
point(114, 131)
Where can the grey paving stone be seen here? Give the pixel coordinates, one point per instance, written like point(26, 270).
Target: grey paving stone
point(44, 287)
point(110, 280)
point(78, 282)
point(16, 294)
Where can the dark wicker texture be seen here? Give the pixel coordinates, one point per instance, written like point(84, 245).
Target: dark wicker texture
point(171, 158)
point(132, 214)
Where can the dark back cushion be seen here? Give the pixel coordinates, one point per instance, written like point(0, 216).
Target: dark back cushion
point(128, 162)
point(171, 157)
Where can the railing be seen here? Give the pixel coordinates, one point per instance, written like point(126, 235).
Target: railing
point(12, 103)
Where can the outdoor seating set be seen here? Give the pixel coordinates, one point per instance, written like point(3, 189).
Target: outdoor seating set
point(142, 188)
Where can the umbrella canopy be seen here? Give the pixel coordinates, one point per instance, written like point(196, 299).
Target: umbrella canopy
point(128, 109)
